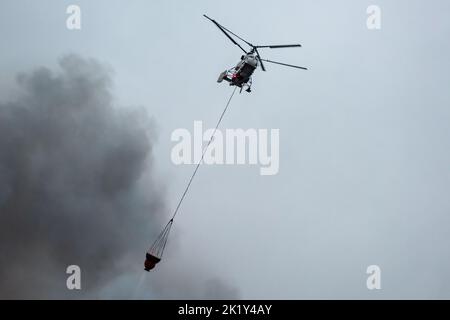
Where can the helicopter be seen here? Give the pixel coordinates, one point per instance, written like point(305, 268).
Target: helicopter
point(241, 74)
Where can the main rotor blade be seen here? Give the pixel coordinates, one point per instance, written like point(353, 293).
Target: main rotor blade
point(240, 38)
point(285, 64)
point(224, 30)
point(281, 46)
point(260, 60)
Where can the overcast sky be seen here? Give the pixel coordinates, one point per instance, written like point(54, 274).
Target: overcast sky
point(364, 135)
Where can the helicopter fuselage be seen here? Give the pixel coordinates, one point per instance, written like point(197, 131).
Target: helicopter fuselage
point(241, 74)
point(245, 69)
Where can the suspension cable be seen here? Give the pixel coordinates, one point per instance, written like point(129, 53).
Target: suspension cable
point(203, 155)
point(160, 243)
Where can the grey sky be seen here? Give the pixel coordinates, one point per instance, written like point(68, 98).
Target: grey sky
point(364, 135)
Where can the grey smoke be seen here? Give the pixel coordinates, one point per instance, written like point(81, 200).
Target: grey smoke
point(77, 186)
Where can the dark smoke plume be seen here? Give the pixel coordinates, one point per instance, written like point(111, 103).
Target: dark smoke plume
point(76, 187)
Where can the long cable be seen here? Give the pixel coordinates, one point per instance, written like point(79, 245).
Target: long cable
point(203, 155)
point(160, 242)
